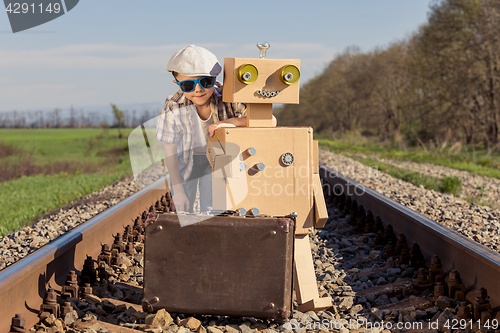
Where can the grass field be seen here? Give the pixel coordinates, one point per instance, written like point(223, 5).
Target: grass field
point(43, 169)
point(473, 159)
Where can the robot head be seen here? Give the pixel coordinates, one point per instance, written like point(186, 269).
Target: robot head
point(248, 80)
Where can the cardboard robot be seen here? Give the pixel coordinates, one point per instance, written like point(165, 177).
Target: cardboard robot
point(262, 169)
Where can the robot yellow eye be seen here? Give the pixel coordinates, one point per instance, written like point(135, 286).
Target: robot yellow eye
point(247, 74)
point(289, 74)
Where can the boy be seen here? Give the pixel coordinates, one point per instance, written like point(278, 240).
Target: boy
point(188, 118)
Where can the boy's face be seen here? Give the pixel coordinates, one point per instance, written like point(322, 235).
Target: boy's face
point(199, 96)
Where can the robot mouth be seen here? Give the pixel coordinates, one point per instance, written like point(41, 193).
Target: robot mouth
point(267, 94)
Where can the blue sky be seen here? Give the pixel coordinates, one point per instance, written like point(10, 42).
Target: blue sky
point(116, 51)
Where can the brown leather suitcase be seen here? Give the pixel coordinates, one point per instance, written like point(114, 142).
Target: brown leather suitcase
point(225, 265)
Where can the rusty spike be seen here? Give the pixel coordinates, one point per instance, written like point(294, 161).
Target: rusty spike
point(456, 289)
point(89, 272)
point(369, 225)
point(416, 256)
point(463, 311)
point(422, 282)
point(49, 305)
point(361, 211)
point(436, 272)
point(130, 250)
point(422, 277)
point(105, 256)
point(402, 244)
point(389, 234)
point(403, 258)
point(378, 224)
point(360, 224)
point(390, 251)
point(352, 219)
point(65, 309)
point(128, 235)
point(18, 324)
point(70, 288)
point(118, 243)
point(116, 258)
point(86, 290)
point(481, 305)
point(379, 238)
point(103, 274)
point(439, 289)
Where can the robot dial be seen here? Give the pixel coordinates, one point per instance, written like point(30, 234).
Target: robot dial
point(289, 74)
point(287, 158)
point(247, 74)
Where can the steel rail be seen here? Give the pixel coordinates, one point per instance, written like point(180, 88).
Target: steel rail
point(23, 284)
point(478, 266)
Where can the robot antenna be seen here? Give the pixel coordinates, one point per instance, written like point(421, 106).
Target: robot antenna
point(263, 47)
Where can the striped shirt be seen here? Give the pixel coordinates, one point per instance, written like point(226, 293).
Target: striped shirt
point(176, 124)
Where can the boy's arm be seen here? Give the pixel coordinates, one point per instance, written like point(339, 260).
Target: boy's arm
point(181, 202)
point(232, 122)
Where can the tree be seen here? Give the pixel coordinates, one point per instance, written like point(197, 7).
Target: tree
point(457, 58)
point(119, 118)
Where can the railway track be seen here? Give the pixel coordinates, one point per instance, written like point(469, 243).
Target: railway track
point(368, 280)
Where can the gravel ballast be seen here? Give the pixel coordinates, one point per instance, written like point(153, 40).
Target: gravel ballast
point(479, 223)
point(347, 265)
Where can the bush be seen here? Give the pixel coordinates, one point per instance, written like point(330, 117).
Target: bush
point(451, 185)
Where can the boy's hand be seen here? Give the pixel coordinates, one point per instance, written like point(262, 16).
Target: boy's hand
point(180, 203)
point(214, 126)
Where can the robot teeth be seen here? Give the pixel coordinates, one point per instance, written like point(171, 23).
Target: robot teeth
point(267, 94)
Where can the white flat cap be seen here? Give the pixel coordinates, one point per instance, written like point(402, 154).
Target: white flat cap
point(194, 61)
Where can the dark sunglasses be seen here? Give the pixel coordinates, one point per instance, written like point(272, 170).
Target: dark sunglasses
point(189, 85)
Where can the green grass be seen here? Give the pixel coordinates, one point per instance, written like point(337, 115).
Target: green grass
point(69, 144)
point(79, 150)
point(451, 185)
point(27, 198)
point(471, 159)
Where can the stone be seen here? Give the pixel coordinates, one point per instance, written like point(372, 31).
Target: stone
point(346, 242)
point(444, 302)
point(313, 315)
point(120, 308)
point(70, 318)
point(374, 254)
point(393, 271)
point(371, 297)
point(211, 329)
point(355, 309)
point(345, 303)
point(191, 323)
point(92, 299)
point(97, 327)
point(161, 318)
point(49, 321)
point(89, 316)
